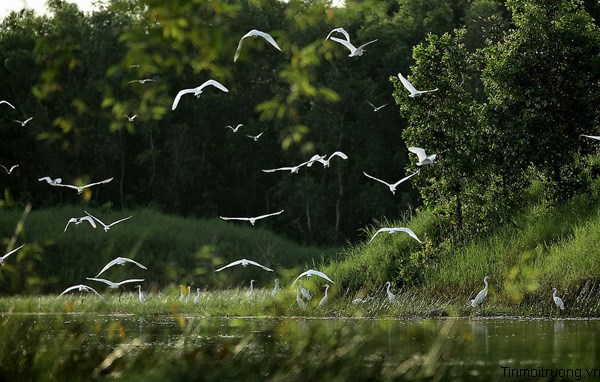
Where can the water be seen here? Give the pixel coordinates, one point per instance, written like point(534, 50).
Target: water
point(195, 348)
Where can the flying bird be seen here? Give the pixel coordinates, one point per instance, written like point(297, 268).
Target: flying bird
point(325, 163)
point(424, 160)
point(339, 30)
point(23, 123)
point(114, 285)
point(557, 300)
point(394, 185)
point(252, 220)
point(130, 118)
point(482, 293)
point(81, 288)
point(354, 51)
point(107, 227)
point(294, 169)
point(198, 90)
point(6, 102)
point(255, 137)
point(394, 230)
point(235, 129)
point(81, 188)
point(78, 221)
point(50, 181)
point(9, 171)
point(2, 258)
point(244, 263)
point(413, 92)
point(120, 261)
point(376, 108)
point(312, 272)
point(254, 33)
point(596, 137)
point(142, 81)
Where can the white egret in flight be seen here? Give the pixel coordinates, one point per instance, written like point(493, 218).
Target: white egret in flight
point(376, 108)
point(424, 159)
point(482, 293)
point(557, 300)
point(413, 92)
point(6, 102)
point(130, 118)
point(2, 258)
point(338, 30)
point(114, 285)
point(390, 185)
point(107, 227)
point(394, 230)
point(354, 51)
point(120, 261)
point(23, 123)
point(294, 169)
point(197, 91)
point(9, 170)
point(142, 81)
point(312, 272)
point(255, 33)
point(80, 189)
point(255, 137)
point(234, 129)
point(78, 221)
point(81, 288)
point(244, 263)
point(325, 162)
point(50, 181)
point(252, 220)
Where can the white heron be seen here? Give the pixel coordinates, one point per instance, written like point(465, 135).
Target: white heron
point(120, 261)
point(141, 294)
point(424, 159)
point(189, 292)
point(482, 293)
point(23, 123)
point(81, 288)
point(255, 33)
point(50, 181)
point(305, 292)
point(250, 293)
point(312, 272)
point(114, 285)
point(294, 169)
point(3, 258)
point(413, 92)
point(299, 299)
point(255, 137)
point(557, 300)
point(80, 220)
point(130, 119)
point(325, 162)
point(197, 298)
point(596, 137)
point(197, 91)
point(142, 81)
point(252, 220)
point(181, 294)
point(107, 227)
point(234, 129)
point(394, 230)
point(390, 295)
point(80, 189)
point(244, 263)
point(6, 102)
point(325, 299)
point(377, 108)
point(392, 186)
point(354, 51)
point(9, 170)
point(275, 288)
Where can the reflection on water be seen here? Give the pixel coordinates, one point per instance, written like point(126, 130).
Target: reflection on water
point(293, 348)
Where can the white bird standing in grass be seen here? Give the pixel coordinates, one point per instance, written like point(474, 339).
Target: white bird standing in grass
point(189, 292)
point(107, 227)
point(325, 162)
point(78, 221)
point(254, 33)
point(114, 285)
point(23, 123)
point(390, 295)
point(234, 129)
point(81, 288)
point(413, 92)
point(120, 261)
point(275, 288)
point(9, 170)
point(181, 294)
point(252, 220)
point(244, 263)
point(312, 272)
point(424, 159)
point(305, 293)
point(81, 188)
point(197, 298)
point(557, 300)
point(3, 258)
point(299, 299)
point(50, 181)
point(596, 137)
point(394, 230)
point(250, 293)
point(482, 293)
point(394, 185)
point(325, 299)
point(197, 91)
point(6, 102)
point(376, 108)
point(141, 295)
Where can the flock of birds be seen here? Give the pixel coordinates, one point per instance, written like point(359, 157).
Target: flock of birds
point(302, 293)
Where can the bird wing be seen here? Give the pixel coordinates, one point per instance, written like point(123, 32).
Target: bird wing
point(13, 167)
point(407, 84)
point(408, 231)
point(347, 44)
point(339, 30)
point(72, 220)
point(405, 178)
point(258, 265)
point(97, 183)
point(419, 151)
point(129, 281)
point(119, 221)
point(365, 44)
point(110, 264)
point(230, 265)
point(278, 169)
point(6, 102)
point(178, 97)
point(315, 158)
point(11, 252)
point(96, 219)
point(134, 262)
point(338, 154)
point(267, 215)
point(381, 107)
point(27, 120)
point(267, 37)
point(596, 137)
point(239, 47)
point(5, 169)
point(373, 106)
point(379, 180)
point(88, 219)
point(46, 178)
point(227, 218)
point(107, 282)
point(214, 83)
point(378, 232)
point(71, 288)
point(312, 272)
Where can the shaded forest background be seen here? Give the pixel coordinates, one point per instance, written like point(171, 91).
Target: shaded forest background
point(519, 81)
